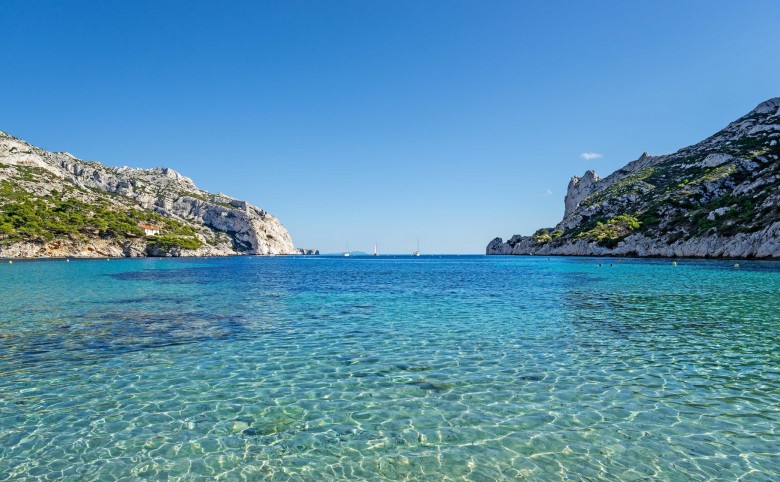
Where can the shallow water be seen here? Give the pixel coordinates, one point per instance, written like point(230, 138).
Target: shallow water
point(437, 368)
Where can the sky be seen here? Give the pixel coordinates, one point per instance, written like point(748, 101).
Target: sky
point(384, 121)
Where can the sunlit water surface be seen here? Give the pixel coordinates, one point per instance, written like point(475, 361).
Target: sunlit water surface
point(436, 368)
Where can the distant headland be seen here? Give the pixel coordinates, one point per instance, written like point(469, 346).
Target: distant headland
point(719, 198)
point(55, 205)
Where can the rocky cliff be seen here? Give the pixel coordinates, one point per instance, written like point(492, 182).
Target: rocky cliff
point(53, 204)
point(717, 198)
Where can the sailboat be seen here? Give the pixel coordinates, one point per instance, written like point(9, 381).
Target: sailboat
point(376, 253)
point(417, 253)
point(346, 253)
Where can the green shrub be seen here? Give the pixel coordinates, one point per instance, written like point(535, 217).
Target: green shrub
point(542, 236)
point(611, 232)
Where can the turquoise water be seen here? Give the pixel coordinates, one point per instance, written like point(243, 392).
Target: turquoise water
point(436, 368)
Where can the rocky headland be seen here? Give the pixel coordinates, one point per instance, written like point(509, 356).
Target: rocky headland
point(719, 198)
point(55, 205)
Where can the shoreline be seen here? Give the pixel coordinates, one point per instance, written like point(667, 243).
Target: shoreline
point(87, 258)
point(615, 256)
point(4, 260)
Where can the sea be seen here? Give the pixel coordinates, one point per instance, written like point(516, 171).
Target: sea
point(390, 368)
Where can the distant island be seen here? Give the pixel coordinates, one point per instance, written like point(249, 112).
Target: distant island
point(55, 205)
point(719, 198)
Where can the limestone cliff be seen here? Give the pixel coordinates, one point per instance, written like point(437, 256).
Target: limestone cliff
point(717, 198)
point(53, 204)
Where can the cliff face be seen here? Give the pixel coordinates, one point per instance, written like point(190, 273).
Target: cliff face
point(717, 198)
point(53, 204)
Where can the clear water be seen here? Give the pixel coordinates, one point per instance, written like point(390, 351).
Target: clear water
point(452, 368)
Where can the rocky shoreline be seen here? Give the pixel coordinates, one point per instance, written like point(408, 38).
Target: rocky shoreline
point(762, 245)
point(137, 248)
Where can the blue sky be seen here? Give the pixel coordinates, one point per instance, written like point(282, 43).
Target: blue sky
point(360, 121)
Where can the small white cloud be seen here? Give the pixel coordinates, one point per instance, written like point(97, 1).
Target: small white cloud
point(548, 192)
point(590, 155)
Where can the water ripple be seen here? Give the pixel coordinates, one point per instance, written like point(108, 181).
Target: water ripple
point(454, 368)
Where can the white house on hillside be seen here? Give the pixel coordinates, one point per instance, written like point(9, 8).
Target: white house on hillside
point(150, 230)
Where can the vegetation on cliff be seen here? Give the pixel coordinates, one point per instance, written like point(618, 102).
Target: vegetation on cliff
point(27, 214)
point(24, 216)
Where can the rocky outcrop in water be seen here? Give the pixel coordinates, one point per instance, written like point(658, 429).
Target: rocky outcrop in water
point(53, 204)
point(719, 198)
